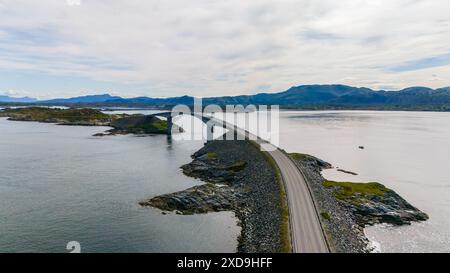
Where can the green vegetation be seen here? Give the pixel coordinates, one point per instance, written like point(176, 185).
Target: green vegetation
point(349, 190)
point(298, 156)
point(284, 209)
point(122, 124)
point(237, 167)
point(140, 124)
point(160, 124)
point(212, 156)
point(43, 114)
point(325, 215)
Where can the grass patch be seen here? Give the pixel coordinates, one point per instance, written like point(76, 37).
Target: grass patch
point(297, 156)
point(325, 215)
point(160, 124)
point(349, 190)
point(212, 156)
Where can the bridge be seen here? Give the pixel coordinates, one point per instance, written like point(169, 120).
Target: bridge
point(306, 232)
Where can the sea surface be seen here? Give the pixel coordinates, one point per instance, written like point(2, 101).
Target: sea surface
point(408, 152)
point(60, 184)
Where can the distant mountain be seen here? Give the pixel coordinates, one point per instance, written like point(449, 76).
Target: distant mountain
point(17, 100)
point(299, 95)
point(154, 101)
point(342, 96)
point(302, 97)
point(82, 99)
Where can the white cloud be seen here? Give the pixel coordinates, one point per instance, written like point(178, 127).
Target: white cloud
point(10, 93)
point(205, 47)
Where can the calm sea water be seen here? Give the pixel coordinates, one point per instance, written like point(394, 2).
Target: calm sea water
point(60, 184)
point(407, 151)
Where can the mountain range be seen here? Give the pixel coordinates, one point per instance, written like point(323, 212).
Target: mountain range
point(82, 99)
point(304, 97)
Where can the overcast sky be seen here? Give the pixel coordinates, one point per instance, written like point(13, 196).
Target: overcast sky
point(61, 48)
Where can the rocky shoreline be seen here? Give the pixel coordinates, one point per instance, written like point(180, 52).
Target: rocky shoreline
point(346, 208)
point(71, 117)
point(239, 179)
point(120, 123)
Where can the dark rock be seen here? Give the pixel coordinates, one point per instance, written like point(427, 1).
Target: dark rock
point(100, 134)
point(388, 208)
point(347, 172)
point(350, 213)
point(239, 179)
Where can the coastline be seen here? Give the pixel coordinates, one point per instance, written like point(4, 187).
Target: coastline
point(120, 123)
point(249, 189)
point(240, 178)
point(346, 208)
point(233, 179)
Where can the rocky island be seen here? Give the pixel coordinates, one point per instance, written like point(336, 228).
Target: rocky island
point(140, 124)
point(71, 116)
point(237, 178)
point(121, 124)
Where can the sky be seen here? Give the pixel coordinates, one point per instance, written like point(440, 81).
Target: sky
point(64, 48)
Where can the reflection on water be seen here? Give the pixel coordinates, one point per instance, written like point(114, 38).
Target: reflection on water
point(407, 151)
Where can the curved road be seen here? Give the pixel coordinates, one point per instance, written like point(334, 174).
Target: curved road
point(307, 235)
point(306, 231)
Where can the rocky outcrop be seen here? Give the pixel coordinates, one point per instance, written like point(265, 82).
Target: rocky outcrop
point(139, 124)
point(122, 124)
point(239, 179)
point(344, 235)
point(373, 203)
point(345, 171)
point(200, 199)
point(208, 168)
point(216, 195)
point(346, 208)
point(72, 116)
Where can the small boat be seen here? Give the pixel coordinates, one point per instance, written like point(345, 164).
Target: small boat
point(361, 147)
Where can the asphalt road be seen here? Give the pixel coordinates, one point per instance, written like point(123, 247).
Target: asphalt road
point(307, 235)
point(306, 232)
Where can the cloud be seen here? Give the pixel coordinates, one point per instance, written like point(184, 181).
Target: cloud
point(441, 60)
point(317, 35)
point(10, 93)
point(205, 47)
